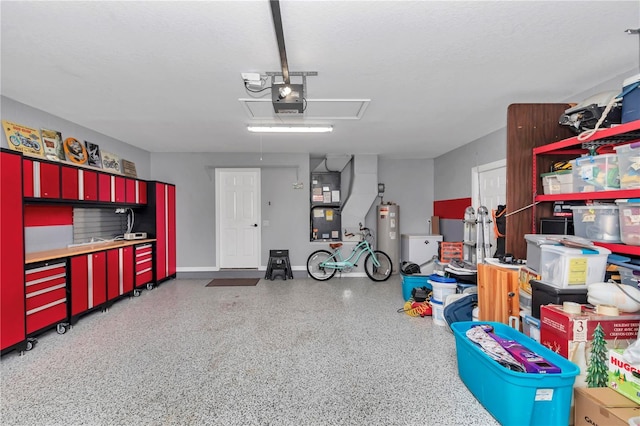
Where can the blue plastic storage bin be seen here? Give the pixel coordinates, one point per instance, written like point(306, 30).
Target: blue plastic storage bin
point(409, 282)
point(515, 398)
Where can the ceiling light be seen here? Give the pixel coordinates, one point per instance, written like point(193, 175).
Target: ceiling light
point(285, 91)
point(290, 129)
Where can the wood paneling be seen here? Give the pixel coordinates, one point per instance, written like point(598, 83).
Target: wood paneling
point(528, 126)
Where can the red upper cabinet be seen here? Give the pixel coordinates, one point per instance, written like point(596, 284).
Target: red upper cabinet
point(120, 189)
point(131, 191)
point(79, 184)
point(70, 187)
point(41, 179)
point(104, 187)
point(89, 185)
point(141, 192)
point(12, 302)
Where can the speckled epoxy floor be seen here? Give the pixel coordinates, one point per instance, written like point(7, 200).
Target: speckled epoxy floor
point(295, 352)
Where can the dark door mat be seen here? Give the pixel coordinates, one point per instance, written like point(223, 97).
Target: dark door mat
point(225, 282)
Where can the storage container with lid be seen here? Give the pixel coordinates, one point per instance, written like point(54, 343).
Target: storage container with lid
point(595, 173)
point(535, 241)
point(565, 267)
point(629, 165)
point(560, 182)
point(598, 222)
point(629, 220)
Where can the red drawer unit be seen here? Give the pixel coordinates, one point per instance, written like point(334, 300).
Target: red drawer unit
point(46, 296)
point(144, 265)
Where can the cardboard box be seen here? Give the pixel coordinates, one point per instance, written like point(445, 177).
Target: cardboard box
point(621, 375)
point(603, 407)
point(525, 275)
point(562, 332)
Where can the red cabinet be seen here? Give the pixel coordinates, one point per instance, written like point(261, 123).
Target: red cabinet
point(136, 191)
point(120, 270)
point(40, 179)
point(131, 190)
point(105, 193)
point(46, 295)
point(144, 265)
point(12, 292)
point(165, 230)
point(88, 282)
point(79, 184)
point(141, 192)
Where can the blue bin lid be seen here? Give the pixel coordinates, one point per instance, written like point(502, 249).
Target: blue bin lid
point(439, 279)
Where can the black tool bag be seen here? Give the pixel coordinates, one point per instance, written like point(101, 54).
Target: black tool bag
point(409, 268)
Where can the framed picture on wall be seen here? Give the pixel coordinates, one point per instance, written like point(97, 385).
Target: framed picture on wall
point(52, 142)
point(129, 168)
point(75, 151)
point(22, 138)
point(110, 162)
point(93, 154)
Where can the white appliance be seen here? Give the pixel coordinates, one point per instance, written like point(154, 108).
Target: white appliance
point(419, 249)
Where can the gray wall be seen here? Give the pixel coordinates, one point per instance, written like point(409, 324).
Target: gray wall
point(408, 183)
point(286, 208)
point(23, 114)
point(453, 169)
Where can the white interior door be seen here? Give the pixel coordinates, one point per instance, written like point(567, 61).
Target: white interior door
point(238, 218)
point(489, 183)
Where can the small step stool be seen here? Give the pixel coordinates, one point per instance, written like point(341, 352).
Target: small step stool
point(278, 265)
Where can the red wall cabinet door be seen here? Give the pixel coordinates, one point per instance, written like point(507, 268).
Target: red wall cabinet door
point(12, 302)
point(119, 272)
point(131, 191)
point(104, 187)
point(46, 294)
point(141, 192)
point(80, 184)
point(120, 195)
point(41, 180)
point(89, 186)
point(70, 186)
point(88, 282)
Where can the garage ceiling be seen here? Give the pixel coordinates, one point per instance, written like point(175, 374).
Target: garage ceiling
point(165, 76)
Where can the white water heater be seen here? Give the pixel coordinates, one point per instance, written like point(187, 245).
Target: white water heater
point(388, 234)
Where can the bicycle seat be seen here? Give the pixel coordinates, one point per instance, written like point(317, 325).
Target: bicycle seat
point(335, 245)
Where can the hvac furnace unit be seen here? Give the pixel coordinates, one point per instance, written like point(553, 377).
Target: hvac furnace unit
point(388, 235)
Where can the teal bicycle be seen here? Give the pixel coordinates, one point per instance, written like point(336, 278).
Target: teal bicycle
point(323, 264)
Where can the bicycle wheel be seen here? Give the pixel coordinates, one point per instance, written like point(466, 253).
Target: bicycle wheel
point(316, 271)
point(378, 273)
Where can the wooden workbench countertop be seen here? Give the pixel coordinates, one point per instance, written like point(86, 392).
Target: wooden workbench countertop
point(41, 256)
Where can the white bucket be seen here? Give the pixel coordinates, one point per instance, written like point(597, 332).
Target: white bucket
point(437, 312)
point(442, 290)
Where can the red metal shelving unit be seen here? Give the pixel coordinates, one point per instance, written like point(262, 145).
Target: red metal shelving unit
point(621, 134)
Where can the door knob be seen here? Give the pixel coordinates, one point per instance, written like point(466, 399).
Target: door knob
point(255, 225)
